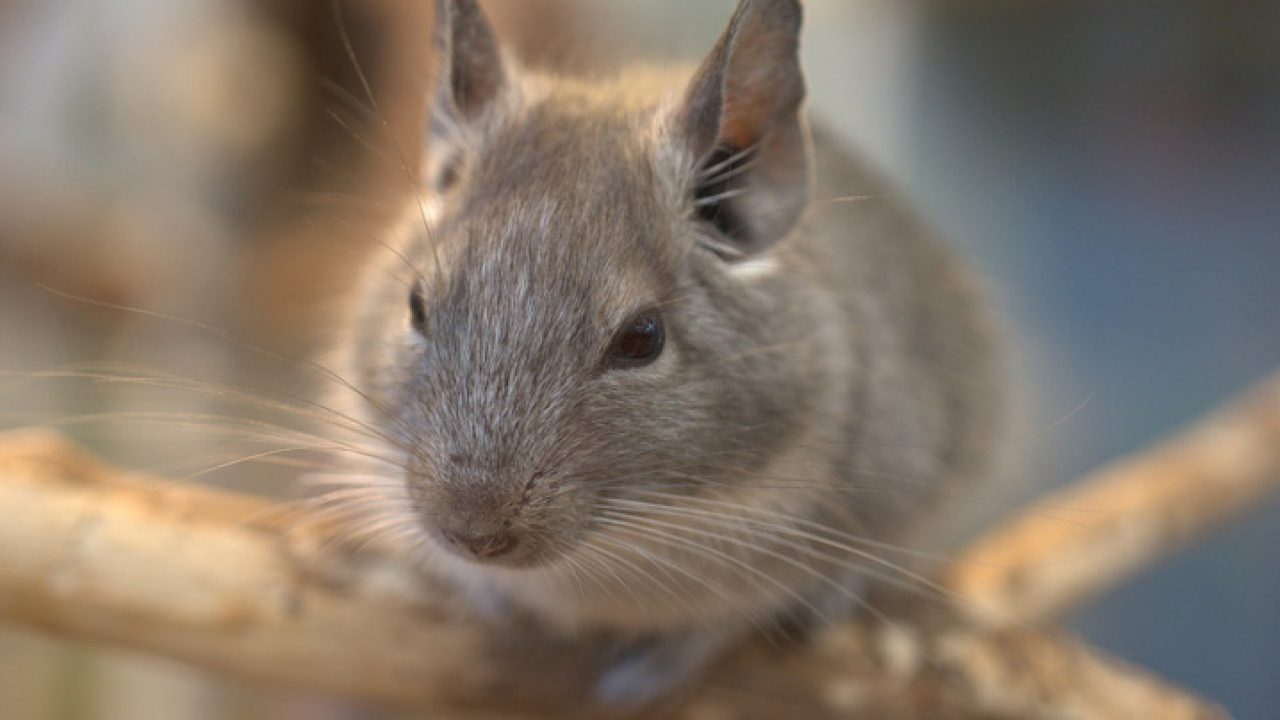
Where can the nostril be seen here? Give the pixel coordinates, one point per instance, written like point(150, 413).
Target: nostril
point(484, 546)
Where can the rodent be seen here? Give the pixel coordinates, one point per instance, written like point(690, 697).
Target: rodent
point(649, 374)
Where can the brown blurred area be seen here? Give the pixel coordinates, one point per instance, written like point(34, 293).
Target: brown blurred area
point(275, 137)
point(357, 162)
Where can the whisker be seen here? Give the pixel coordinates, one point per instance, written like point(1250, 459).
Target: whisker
point(708, 174)
point(622, 519)
point(893, 579)
point(807, 569)
point(720, 197)
point(304, 408)
point(225, 336)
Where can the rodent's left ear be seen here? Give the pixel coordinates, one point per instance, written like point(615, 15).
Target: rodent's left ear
point(742, 117)
point(469, 69)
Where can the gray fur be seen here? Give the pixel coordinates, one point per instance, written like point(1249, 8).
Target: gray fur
point(837, 372)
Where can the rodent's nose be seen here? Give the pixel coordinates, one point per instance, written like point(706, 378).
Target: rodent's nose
point(483, 546)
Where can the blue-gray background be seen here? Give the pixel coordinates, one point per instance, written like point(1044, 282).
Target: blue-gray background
point(1117, 167)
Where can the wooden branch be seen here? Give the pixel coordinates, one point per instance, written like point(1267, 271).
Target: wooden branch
point(214, 579)
point(1126, 516)
point(225, 582)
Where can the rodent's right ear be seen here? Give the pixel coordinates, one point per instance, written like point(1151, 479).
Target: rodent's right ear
point(742, 117)
point(469, 68)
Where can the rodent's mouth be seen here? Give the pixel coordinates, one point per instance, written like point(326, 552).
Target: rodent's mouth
point(495, 524)
point(510, 549)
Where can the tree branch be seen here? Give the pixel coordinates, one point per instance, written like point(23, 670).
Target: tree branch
point(228, 583)
point(1126, 516)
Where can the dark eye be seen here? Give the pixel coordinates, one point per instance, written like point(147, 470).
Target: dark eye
point(417, 309)
point(449, 174)
point(638, 342)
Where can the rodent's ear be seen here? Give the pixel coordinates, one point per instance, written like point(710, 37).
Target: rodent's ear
point(742, 117)
point(468, 66)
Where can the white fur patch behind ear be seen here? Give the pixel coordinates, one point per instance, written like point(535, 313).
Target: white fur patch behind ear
point(754, 268)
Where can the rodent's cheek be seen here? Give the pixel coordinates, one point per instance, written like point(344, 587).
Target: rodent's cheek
point(667, 362)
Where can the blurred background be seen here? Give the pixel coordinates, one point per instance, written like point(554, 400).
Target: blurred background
point(1112, 167)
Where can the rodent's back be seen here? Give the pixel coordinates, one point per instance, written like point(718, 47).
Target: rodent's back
point(928, 397)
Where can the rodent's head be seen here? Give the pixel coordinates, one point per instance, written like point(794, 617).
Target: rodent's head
point(596, 301)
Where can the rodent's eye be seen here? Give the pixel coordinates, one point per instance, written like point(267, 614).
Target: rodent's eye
point(449, 174)
point(638, 342)
point(417, 308)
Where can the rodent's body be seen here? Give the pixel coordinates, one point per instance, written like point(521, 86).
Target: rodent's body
point(827, 377)
point(884, 406)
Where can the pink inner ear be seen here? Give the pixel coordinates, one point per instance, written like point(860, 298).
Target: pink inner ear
point(752, 78)
point(735, 132)
point(747, 117)
point(748, 95)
